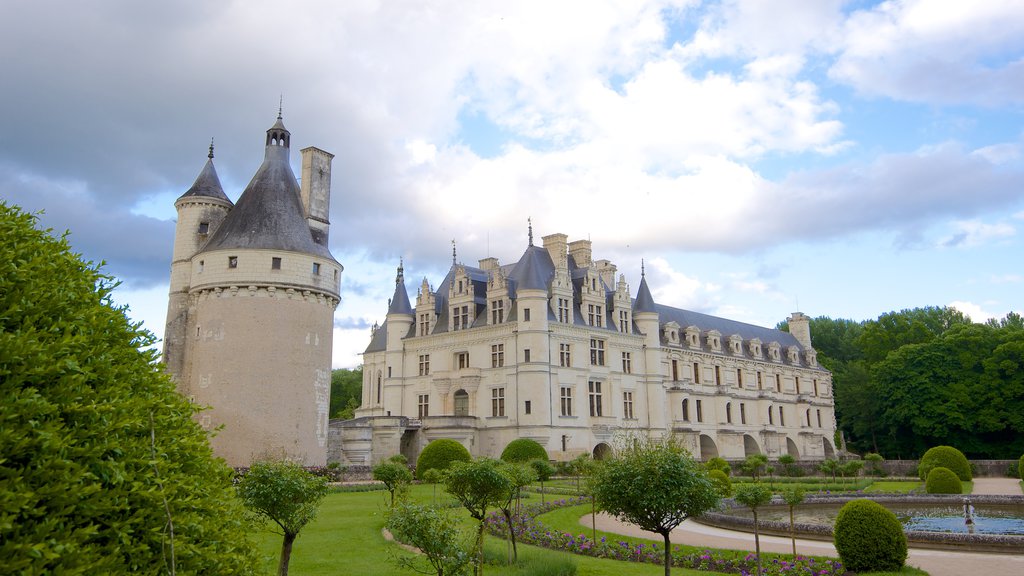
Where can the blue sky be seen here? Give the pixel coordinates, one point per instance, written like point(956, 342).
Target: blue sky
point(843, 158)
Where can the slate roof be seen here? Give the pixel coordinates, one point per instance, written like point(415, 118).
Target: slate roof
point(725, 326)
point(644, 301)
point(400, 301)
point(534, 270)
point(207, 184)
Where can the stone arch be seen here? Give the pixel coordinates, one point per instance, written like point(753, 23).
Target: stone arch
point(461, 400)
point(791, 448)
point(602, 451)
point(829, 451)
point(750, 446)
point(708, 448)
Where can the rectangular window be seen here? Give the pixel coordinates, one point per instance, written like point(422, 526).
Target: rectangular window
point(759, 382)
point(739, 378)
point(463, 360)
point(595, 398)
point(424, 364)
point(564, 311)
point(275, 263)
point(526, 407)
point(696, 373)
point(782, 417)
point(627, 362)
point(675, 370)
point(819, 418)
point(526, 314)
point(497, 402)
point(232, 261)
point(424, 324)
point(526, 355)
point(624, 321)
point(594, 315)
point(316, 268)
point(497, 355)
point(700, 412)
point(815, 386)
point(627, 405)
point(796, 384)
point(778, 382)
point(424, 405)
point(460, 317)
point(728, 412)
point(686, 410)
point(204, 227)
point(497, 312)
point(743, 413)
point(565, 354)
point(718, 375)
point(566, 401)
point(596, 352)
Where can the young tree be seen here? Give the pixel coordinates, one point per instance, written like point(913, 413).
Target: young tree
point(852, 468)
point(544, 470)
point(102, 468)
point(753, 465)
point(286, 494)
point(432, 477)
point(788, 463)
point(830, 466)
point(874, 463)
point(435, 532)
point(395, 476)
point(753, 496)
point(518, 475)
point(654, 484)
point(477, 485)
point(792, 497)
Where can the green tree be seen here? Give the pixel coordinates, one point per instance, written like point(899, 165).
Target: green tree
point(102, 468)
point(754, 496)
point(654, 484)
point(793, 497)
point(477, 485)
point(435, 532)
point(395, 476)
point(874, 463)
point(346, 392)
point(287, 495)
point(788, 462)
point(432, 477)
point(753, 465)
point(830, 466)
point(852, 468)
point(440, 454)
point(544, 470)
point(518, 475)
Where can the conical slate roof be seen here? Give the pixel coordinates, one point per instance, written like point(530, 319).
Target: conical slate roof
point(644, 301)
point(534, 270)
point(400, 301)
point(207, 183)
point(269, 213)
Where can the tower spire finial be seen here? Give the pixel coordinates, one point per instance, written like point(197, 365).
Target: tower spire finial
point(210, 155)
point(642, 272)
point(400, 277)
point(280, 106)
point(453, 251)
point(529, 222)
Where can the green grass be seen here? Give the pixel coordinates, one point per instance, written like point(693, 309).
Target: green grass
point(895, 486)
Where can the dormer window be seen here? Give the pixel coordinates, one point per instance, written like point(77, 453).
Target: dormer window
point(794, 355)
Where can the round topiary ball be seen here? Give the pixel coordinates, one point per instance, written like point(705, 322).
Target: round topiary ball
point(721, 482)
point(943, 481)
point(524, 450)
point(946, 457)
point(439, 455)
point(869, 538)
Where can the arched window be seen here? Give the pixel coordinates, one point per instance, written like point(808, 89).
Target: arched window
point(808, 417)
point(771, 416)
point(461, 403)
point(686, 410)
point(728, 412)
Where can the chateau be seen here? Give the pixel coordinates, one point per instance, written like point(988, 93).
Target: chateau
point(555, 348)
point(250, 316)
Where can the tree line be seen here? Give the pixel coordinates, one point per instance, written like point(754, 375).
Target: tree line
point(929, 376)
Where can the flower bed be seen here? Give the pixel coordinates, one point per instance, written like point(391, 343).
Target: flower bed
point(530, 530)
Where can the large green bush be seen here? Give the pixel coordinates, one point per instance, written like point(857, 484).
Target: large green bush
point(943, 481)
point(99, 455)
point(717, 463)
point(946, 457)
point(439, 455)
point(524, 450)
point(869, 538)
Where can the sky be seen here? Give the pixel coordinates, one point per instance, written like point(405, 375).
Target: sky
point(840, 158)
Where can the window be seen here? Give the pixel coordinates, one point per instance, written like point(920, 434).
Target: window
point(782, 417)
point(461, 403)
point(526, 314)
point(819, 418)
point(595, 398)
point(739, 378)
point(316, 268)
point(424, 405)
point(497, 402)
point(696, 373)
point(232, 261)
point(743, 413)
point(424, 324)
point(596, 352)
point(759, 382)
point(275, 263)
point(728, 412)
point(686, 410)
point(808, 417)
point(526, 355)
point(796, 383)
point(497, 355)
point(378, 386)
point(497, 312)
point(778, 382)
point(594, 315)
point(202, 264)
point(771, 417)
point(718, 375)
point(204, 227)
point(526, 407)
point(566, 401)
point(624, 321)
point(675, 370)
point(389, 371)
point(627, 362)
point(565, 354)
point(463, 360)
point(460, 317)
point(424, 364)
point(564, 314)
point(627, 405)
point(700, 412)
point(815, 386)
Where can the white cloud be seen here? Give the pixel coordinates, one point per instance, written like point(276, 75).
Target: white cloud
point(974, 233)
point(974, 311)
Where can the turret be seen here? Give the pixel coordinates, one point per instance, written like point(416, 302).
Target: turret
point(645, 313)
point(400, 313)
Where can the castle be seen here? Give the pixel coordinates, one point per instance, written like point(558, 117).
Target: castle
point(250, 315)
point(554, 348)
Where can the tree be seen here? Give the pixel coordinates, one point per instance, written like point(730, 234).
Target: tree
point(793, 497)
point(395, 476)
point(852, 468)
point(788, 463)
point(440, 454)
point(286, 494)
point(830, 466)
point(102, 468)
point(435, 532)
point(753, 496)
point(432, 477)
point(477, 485)
point(523, 450)
point(518, 475)
point(544, 470)
point(654, 484)
point(346, 391)
point(874, 462)
point(753, 465)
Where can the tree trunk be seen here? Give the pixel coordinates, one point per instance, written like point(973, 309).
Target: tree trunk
point(757, 541)
point(542, 493)
point(593, 518)
point(511, 535)
point(792, 529)
point(480, 548)
point(286, 554)
point(668, 552)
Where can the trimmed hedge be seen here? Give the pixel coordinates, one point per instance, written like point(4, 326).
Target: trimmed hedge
point(869, 538)
point(946, 457)
point(524, 450)
point(943, 481)
point(440, 454)
point(721, 482)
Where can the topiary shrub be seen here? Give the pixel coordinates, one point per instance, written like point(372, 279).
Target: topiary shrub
point(440, 454)
point(869, 538)
point(722, 483)
point(717, 463)
point(946, 457)
point(524, 450)
point(943, 481)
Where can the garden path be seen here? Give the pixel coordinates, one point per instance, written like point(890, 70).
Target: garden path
point(997, 486)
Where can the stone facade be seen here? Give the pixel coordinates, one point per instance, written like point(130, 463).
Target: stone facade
point(554, 348)
point(251, 308)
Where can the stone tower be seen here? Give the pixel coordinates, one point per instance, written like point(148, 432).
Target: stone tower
point(251, 309)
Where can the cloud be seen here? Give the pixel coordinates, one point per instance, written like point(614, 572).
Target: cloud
point(974, 233)
point(975, 311)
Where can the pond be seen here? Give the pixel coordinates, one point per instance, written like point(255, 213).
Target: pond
point(988, 518)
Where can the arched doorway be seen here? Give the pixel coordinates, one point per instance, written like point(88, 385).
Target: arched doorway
point(602, 451)
point(708, 449)
point(829, 452)
point(461, 403)
point(750, 446)
point(791, 448)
